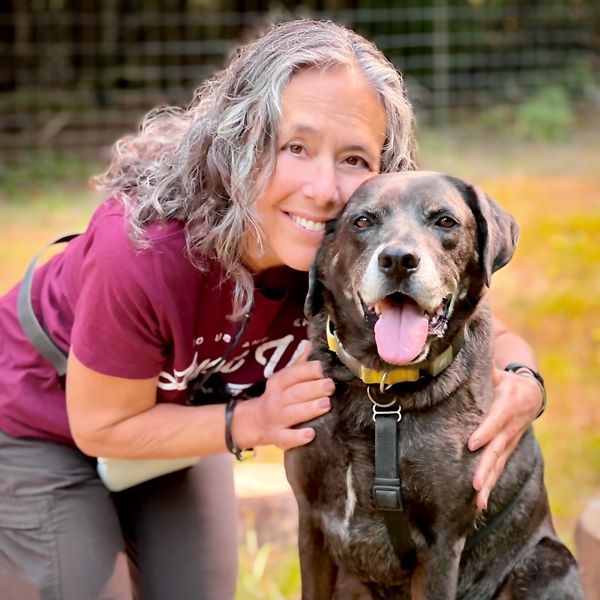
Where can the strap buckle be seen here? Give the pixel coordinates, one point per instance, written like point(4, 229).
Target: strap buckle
point(386, 494)
point(377, 412)
point(383, 409)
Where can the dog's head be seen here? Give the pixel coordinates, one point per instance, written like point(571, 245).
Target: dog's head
point(407, 252)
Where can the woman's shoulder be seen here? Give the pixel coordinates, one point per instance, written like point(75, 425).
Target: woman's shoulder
point(111, 239)
point(112, 258)
point(110, 223)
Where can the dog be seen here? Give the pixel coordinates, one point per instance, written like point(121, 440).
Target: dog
point(398, 316)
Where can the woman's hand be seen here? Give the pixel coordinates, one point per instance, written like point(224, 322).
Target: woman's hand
point(294, 395)
point(517, 400)
point(115, 417)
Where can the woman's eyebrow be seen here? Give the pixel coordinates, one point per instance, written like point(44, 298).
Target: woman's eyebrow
point(304, 128)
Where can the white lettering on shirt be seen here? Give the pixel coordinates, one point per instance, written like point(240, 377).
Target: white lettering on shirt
point(178, 380)
point(280, 346)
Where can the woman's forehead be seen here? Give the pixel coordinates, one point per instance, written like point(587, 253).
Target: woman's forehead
point(316, 100)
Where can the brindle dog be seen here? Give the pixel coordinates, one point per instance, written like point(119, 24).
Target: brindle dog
point(399, 283)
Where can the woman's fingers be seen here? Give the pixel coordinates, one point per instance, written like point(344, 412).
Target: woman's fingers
point(301, 412)
point(290, 438)
point(305, 391)
point(491, 463)
point(490, 426)
point(294, 395)
point(500, 432)
point(296, 373)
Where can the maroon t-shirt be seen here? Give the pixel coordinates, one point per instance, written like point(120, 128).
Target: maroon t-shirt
point(136, 313)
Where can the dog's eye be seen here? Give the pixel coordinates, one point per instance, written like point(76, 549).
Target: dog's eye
point(446, 222)
point(362, 222)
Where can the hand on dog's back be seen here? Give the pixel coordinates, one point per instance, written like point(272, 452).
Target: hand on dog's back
point(292, 396)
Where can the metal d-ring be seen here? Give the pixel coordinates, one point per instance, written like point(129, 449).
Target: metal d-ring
point(379, 404)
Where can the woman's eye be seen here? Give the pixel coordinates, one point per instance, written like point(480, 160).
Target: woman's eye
point(356, 161)
point(295, 148)
point(446, 222)
point(362, 222)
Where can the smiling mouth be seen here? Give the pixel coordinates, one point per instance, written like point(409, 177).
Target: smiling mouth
point(403, 328)
point(307, 224)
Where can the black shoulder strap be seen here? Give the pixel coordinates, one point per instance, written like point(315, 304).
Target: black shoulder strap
point(38, 337)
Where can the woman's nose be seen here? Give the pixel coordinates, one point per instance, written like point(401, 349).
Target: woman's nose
point(322, 185)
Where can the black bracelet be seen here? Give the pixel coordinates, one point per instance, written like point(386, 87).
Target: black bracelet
point(237, 452)
point(529, 372)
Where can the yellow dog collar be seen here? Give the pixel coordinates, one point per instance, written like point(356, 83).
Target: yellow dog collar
point(399, 374)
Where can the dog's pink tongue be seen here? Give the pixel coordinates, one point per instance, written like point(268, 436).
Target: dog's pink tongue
point(400, 331)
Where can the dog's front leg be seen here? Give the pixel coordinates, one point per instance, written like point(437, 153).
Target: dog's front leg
point(436, 574)
point(317, 568)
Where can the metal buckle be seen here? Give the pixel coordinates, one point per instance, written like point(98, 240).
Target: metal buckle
point(377, 412)
point(380, 408)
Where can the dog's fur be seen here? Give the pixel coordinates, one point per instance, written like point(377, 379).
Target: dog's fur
point(427, 236)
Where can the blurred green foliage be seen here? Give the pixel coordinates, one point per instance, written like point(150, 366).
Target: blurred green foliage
point(42, 172)
point(546, 116)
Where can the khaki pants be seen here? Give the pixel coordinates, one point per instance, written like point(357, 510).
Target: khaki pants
point(64, 536)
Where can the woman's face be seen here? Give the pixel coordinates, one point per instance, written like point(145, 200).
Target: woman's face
point(330, 140)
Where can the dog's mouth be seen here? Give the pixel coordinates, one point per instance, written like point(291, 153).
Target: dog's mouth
point(402, 327)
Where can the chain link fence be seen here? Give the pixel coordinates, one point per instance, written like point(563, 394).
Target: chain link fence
point(77, 74)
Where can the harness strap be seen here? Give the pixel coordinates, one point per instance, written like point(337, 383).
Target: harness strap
point(386, 486)
point(33, 329)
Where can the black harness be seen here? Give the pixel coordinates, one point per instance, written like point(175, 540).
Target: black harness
point(387, 493)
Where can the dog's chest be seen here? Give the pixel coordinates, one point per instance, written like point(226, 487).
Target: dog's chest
point(435, 470)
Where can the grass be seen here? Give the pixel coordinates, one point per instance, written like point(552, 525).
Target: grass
point(549, 293)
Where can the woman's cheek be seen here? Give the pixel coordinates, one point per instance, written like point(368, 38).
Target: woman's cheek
point(352, 183)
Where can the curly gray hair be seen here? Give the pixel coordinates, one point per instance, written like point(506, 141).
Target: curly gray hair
point(206, 164)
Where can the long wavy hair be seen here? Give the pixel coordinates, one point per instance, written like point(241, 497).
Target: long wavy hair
point(207, 163)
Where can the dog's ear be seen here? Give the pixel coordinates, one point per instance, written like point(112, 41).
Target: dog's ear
point(497, 232)
point(314, 298)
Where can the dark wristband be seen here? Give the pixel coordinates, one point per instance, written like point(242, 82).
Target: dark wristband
point(237, 452)
point(529, 372)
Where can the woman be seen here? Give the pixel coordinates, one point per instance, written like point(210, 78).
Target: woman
point(215, 214)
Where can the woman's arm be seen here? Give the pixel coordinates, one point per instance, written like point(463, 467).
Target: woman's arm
point(115, 417)
point(517, 400)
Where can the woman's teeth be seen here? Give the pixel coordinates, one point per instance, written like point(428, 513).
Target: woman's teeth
point(307, 224)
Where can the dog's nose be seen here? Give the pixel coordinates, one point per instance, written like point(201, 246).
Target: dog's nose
point(394, 260)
